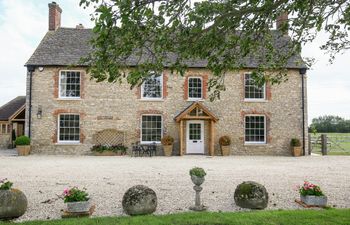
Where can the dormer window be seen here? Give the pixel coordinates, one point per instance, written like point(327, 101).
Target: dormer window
point(152, 87)
point(69, 86)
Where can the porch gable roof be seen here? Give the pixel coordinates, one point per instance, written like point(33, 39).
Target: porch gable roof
point(185, 113)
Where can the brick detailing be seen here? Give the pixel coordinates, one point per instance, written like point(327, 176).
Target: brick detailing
point(257, 112)
point(268, 91)
point(56, 77)
point(138, 92)
point(165, 85)
point(204, 85)
point(82, 84)
point(55, 114)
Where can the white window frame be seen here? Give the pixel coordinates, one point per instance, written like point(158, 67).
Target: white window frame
point(188, 88)
point(161, 90)
point(59, 85)
point(58, 129)
point(254, 99)
point(6, 128)
point(161, 134)
point(255, 142)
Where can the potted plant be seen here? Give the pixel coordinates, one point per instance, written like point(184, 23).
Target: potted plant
point(312, 195)
point(296, 147)
point(13, 202)
point(114, 150)
point(77, 200)
point(197, 175)
point(167, 142)
point(23, 145)
point(225, 143)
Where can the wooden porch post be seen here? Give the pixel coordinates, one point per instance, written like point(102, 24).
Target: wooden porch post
point(212, 136)
point(181, 136)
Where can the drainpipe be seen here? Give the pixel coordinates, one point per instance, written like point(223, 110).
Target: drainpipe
point(302, 72)
point(30, 70)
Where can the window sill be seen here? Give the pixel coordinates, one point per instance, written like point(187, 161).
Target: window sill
point(256, 100)
point(151, 100)
point(195, 100)
point(68, 99)
point(149, 143)
point(68, 143)
point(254, 144)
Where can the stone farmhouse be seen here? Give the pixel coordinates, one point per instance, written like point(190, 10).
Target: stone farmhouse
point(67, 113)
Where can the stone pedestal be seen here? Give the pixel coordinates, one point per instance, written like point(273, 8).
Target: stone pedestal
point(198, 206)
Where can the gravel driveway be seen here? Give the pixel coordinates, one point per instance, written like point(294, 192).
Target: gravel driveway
point(42, 178)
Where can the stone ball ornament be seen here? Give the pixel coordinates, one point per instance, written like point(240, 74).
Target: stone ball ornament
point(13, 204)
point(251, 195)
point(139, 200)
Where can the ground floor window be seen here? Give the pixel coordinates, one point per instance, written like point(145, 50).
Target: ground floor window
point(255, 129)
point(5, 128)
point(151, 128)
point(69, 128)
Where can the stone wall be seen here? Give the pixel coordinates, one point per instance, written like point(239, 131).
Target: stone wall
point(115, 106)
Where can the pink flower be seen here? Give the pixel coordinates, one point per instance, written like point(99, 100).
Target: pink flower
point(66, 192)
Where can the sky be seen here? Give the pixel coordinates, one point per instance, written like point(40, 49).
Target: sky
point(23, 23)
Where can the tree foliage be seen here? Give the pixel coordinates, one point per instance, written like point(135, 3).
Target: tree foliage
point(222, 32)
point(330, 124)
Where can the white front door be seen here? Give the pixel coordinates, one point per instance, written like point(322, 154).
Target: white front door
point(195, 137)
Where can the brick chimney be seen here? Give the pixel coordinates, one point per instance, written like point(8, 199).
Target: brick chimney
point(54, 16)
point(282, 19)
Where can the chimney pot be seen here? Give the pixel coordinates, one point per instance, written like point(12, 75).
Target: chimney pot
point(80, 26)
point(54, 16)
point(281, 22)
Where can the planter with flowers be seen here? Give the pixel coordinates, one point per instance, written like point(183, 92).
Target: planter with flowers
point(296, 147)
point(23, 145)
point(77, 200)
point(167, 142)
point(225, 143)
point(312, 195)
point(13, 202)
point(113, 150)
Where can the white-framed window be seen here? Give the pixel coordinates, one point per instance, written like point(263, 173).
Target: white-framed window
point(251, 90)
point(68, 128)
point(4, 128)
point(255, 129)
point(69, 84)
point(195, 88)
point(151, 128)
point(152, 87)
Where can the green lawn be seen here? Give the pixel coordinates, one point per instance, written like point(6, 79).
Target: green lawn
point(340, 144)
point(293, 217)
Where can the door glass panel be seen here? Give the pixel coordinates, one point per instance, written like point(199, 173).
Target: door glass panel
point(195, 131)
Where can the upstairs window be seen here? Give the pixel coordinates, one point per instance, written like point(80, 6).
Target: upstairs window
point(69, 84)
point(151, 128)
point(252, 90)
point(195, 88)
point(69, 128)
point(255, 129)
point(152, 87)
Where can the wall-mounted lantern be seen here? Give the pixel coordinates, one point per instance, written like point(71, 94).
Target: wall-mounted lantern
point(39, 114)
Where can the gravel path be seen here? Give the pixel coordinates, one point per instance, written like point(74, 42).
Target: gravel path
point(42, 178)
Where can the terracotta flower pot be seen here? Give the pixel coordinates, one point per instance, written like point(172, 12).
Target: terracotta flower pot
point(23, 150)
point(296, 151)
point(168, 149)
point(225, 150)
point(78, 207)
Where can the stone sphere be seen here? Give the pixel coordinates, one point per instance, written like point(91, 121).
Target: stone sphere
point(139, 200)
point(251, 195)
point(13, 204)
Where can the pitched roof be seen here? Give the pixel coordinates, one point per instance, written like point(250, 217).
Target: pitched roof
point(181, 115)
point(7, 110)
point(66, 46)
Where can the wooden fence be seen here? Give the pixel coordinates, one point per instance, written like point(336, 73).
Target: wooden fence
point(329, 144)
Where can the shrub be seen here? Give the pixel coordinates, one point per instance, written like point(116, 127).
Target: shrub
point(295, 142)
point(75, 195)
point(167, 140)
point(224, 141)
point(22, 140)
point(198, 172)
point(5, 184)
point(113, 148)
point(310, 189)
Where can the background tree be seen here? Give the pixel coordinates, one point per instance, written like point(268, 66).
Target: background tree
point(330, 124)
point(221, 32)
